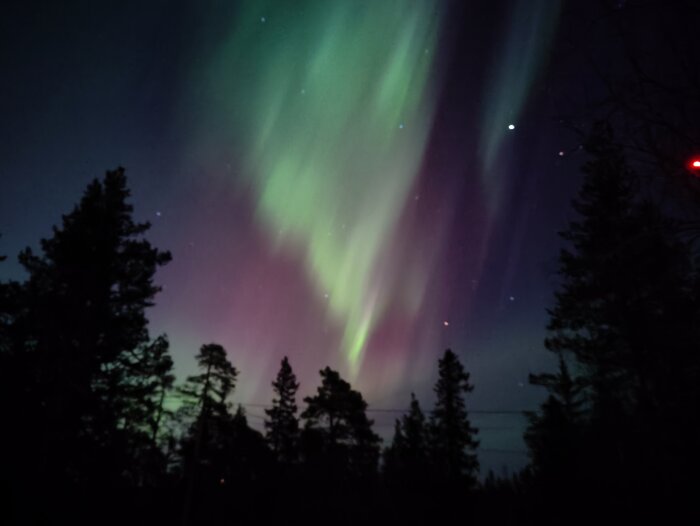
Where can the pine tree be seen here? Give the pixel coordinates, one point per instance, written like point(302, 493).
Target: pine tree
point(158, 367)
point(206, 447)
point(150, 381)
point(282, 424)
point(338, 413)
point(83, 309)
point(206, 396)
point(452, 437)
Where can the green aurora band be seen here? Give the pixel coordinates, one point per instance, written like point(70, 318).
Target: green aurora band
point(330, 104)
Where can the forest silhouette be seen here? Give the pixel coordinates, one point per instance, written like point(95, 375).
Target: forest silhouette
point(97, 428)
point(88, 436)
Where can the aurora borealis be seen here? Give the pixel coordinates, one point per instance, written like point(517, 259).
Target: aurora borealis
point(334, 127)
point(336, 180)
point(328, 108)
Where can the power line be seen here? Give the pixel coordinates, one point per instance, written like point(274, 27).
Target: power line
point(502, 451)
point(518, 412)
point(498, 451)
point(386, 425)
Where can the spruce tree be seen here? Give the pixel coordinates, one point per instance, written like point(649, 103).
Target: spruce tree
point(415, 428)
point(452, 437)
point(595, 266)
point(282, 424)
point(625, 317)
point(393, 455)
point(247, 456)
point(555, 434)
point(406, 460)
point(338, 414)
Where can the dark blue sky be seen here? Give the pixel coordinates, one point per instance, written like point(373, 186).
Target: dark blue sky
point(90, 86)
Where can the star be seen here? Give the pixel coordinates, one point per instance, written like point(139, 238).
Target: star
point(262, 19)
point(511, 126)
point(446, 323)
point(158, 214)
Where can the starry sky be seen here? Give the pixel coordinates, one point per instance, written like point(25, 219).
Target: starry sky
point(359, 184)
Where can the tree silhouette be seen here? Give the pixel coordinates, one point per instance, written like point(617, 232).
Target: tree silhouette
point(589, 299)
point(248, 456)
point(406, 460)
point(282, 424)
point(554, 436)
point(588, 319)
point(393, 460)
point(625, 315)
point(206, 446)
point(8, 311)
point(452, 437)
point(159, 368)
point(206, 398)
point(12, 369)
point(150, 380)
point(337, 415)
point(83, 311)
point(651, 94)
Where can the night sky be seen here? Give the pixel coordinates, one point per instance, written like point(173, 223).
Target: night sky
point(359, 184)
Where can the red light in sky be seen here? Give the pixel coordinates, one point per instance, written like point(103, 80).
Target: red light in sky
point(694, 165)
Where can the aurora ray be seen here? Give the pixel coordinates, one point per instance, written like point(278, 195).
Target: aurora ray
point(531, 30)
point(330, 108)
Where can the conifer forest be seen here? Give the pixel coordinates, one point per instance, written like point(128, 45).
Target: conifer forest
point(349, 262)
